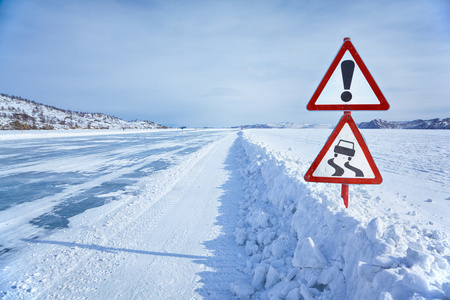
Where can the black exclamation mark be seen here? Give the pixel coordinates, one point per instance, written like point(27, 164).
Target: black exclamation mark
point(347, 68)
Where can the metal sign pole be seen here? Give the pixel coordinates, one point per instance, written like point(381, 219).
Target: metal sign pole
point(344, 194)
point(345, 187)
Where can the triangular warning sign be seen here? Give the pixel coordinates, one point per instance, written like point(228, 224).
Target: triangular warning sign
point(345, 158)
point(348, 85)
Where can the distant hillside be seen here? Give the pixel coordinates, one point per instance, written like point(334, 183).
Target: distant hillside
point(374, 124)
point(22, 114)
point(283, 125)
point(416, 124)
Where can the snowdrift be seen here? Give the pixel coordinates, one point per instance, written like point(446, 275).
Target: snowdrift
point(303, 244)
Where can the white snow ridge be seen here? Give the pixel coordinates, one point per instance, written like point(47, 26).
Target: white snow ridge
point(302, 244)
point(220, 214)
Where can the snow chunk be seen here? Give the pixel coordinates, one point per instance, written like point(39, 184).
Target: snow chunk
point(306, 293)
point(367, 271)
point(251, 248)
point(385, 296)
point(374, 230)
point(293, 294)
point(259, 219)
point(277, 250)
point(242, 290)
point(272, 277)
point(241, 236)
point(384, 261)
point(259, 277)
point(446, 288)
point(307, 255)
point(419, 258)
point(416, 282)
point(384, 279)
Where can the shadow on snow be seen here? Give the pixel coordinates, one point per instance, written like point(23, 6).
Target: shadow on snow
point(112, 249)
point(226, 264)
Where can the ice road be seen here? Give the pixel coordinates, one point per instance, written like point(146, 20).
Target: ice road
point(219, 214)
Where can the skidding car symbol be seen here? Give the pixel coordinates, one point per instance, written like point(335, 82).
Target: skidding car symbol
point(345, 148)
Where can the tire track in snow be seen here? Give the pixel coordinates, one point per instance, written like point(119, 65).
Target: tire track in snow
point(194, 208)
point(44, 205)
point(87, 269)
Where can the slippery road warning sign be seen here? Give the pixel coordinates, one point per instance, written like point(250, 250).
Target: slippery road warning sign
point(345, 158)
point(348, 85)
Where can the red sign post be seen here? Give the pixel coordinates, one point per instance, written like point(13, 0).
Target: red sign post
point(345, 158)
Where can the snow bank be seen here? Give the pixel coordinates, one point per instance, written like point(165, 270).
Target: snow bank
point(302, 243)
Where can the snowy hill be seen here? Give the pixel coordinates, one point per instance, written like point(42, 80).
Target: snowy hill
point(416, 124)
point(17, 113)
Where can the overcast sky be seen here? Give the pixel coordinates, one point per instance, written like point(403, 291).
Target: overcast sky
point(222, 63)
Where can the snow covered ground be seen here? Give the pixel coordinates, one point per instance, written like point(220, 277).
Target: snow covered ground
point(219, 214)
point(392, 242)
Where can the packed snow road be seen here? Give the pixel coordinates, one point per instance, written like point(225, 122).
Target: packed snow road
point(220, 214)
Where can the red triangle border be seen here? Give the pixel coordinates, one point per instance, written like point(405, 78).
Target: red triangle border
point(348, 46)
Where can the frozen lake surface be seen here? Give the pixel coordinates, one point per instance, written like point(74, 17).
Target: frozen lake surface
point(45, 181)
